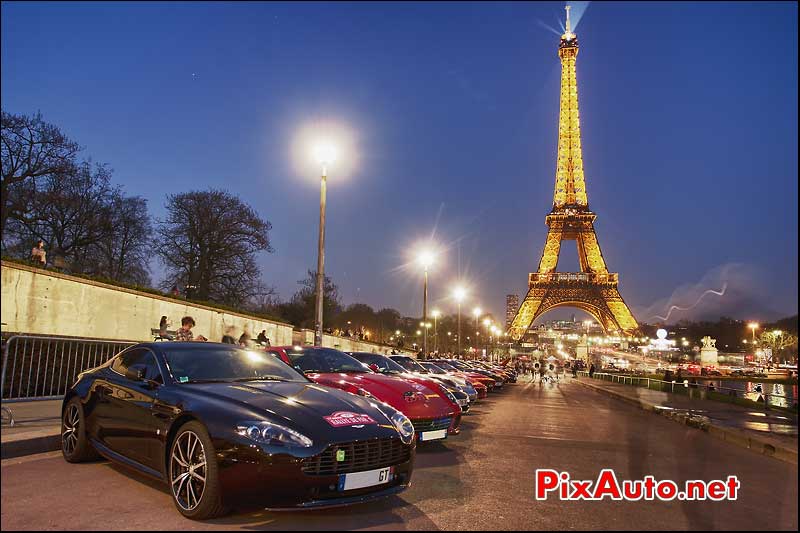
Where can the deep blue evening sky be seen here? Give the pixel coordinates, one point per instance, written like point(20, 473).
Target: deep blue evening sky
point(688, 114)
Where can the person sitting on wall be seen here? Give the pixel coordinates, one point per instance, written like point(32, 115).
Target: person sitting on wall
point(185, 334)
point(163, 327)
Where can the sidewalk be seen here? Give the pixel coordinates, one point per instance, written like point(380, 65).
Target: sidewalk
point(36, 429)
point(772, 433)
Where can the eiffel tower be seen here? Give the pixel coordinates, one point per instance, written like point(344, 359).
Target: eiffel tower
point(594, 288)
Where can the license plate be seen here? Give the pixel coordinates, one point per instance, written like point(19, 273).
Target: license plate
point(370, 478)
point(433, 435)
point(462, 403)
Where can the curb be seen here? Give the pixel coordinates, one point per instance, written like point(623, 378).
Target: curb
point(733, 436)
point(29, 446)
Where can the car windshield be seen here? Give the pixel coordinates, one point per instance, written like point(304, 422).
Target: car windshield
point(208, 363)
point(446, 366)
point(324, 360)
point(384, 364)
point(409, 364)
point(433, 369)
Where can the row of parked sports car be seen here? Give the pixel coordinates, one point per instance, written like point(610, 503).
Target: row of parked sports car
point(286, 427)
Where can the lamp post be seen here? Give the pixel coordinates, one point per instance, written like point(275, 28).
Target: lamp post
point(487, 323)
point(436, 314)
point(325, 154)
point(459, 293)
point(753, 327)
point(425, 260)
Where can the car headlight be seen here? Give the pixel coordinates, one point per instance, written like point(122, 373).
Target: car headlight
point(404, 426)
point(273, 434)
point(448, 394)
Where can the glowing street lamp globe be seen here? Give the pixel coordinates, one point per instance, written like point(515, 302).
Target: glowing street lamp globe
point(425, 259)
point(459, 293)
point(324, 153)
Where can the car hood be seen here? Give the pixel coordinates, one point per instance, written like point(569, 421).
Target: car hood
point(429, 402)
point(299, 404)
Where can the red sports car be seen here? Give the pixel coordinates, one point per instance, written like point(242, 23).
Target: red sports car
point(474, 377)
point(433, 414)
point(387, 366)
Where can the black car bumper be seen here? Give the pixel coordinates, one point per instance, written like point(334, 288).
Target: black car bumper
point(251, 477)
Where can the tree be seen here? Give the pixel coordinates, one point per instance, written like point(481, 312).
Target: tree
point(783, 345)
point(209, 240)
point(301, 309)
point(359, 315)
point(71, 212)
point(388, 323)
point(31, 149)
point(122, 253)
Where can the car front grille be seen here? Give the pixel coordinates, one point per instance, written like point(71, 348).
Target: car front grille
point(358, 457)
point(431, 424)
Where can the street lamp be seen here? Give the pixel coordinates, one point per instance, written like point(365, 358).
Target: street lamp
point(425, 260)
point(487, 323)
point(436, 314)
point(477, 313)
point(459, 293)
point(325, 154)
point(753, 327)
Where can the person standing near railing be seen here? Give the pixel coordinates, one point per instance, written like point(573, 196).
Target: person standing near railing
point(591, 370)
point(39, 254)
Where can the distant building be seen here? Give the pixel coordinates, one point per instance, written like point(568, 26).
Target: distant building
point(512, 305)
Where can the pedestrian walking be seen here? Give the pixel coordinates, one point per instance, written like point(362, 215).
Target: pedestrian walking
point(591, 370)
point(228, 338)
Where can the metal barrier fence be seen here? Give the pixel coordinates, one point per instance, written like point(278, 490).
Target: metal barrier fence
point(680, 387)
point(40, 368)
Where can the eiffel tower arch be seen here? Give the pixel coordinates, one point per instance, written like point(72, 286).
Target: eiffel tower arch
point(594, 288)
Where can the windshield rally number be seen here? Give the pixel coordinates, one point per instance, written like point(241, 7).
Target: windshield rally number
point(344, 419)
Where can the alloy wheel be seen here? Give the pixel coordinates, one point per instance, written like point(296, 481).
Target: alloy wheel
point(69, 435)
point(188, 470)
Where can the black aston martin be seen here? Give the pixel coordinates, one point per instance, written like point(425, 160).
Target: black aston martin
point(225, 426)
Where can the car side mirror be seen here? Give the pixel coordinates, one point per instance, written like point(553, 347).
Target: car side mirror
point(136, 372)
point(375, 368)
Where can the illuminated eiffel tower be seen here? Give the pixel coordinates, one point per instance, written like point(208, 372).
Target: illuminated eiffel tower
point(594, 288)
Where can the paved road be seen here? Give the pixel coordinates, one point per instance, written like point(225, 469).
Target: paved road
point(481, 479)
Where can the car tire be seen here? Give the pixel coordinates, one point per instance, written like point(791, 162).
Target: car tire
point(75, 445)
point(192, 468)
